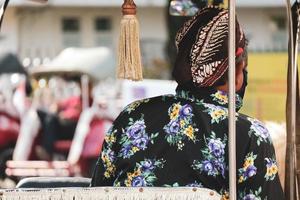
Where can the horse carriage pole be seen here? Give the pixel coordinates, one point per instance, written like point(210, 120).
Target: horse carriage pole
point(291, 183)
point(231, 108)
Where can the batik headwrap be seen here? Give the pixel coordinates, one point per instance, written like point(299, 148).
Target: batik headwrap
point(202, 45)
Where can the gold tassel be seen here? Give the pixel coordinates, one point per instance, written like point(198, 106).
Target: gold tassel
point(129, 56)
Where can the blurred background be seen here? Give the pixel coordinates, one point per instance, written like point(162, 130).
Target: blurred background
point(38, 33)
point(58, 59)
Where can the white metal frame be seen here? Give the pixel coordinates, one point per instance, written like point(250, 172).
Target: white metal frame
point(231, 105)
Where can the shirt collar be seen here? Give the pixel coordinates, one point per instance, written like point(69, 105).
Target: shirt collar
point(207, 95)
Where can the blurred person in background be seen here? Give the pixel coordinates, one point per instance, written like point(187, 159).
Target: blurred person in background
point(59, 123)
point(182, 139)
point(54, 113)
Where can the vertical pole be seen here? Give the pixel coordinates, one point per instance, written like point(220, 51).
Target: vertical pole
point(292, 108)
point(294, 104)
point(232, 111)
point(85, 91)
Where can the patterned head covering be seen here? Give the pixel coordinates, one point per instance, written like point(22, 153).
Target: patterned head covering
point(202, 45)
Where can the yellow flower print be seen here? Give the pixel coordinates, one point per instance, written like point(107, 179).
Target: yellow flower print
point(137, 173)
point(249, 169)
point(127, 183)
point(175, 111)
point(217, 114)
point(182, 123)
point(176, 107)
point(274, 169)
point(241, 179)
point(135, 149)
point(174, 115)
point(221, 97)
point(107, 157)
point(225, 196)
point(135, 105)
point(248, 162)
point(129, 176)
point(106, 174)
point(104, 158)
point(111, 168)
point(269, 172)
point(142, 172)
point(110, 139)
point(189, 131)
point(181, 126)
point(109, 171)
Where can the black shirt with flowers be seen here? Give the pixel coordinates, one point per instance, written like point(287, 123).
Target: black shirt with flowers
point(182, 140)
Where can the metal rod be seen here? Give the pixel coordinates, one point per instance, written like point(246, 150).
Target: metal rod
point(231, 105)
point(292, 102)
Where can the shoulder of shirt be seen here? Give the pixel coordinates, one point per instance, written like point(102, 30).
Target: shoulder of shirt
point(244, 119)
point(247, 121)
point(152, 101)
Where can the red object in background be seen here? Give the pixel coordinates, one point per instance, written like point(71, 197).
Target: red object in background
point(62, 146)
point(70, 108)
point(94, 140)
point(91, 150)
point(9, 129)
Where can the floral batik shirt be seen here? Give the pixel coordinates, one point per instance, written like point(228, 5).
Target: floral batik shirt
point(182, 140)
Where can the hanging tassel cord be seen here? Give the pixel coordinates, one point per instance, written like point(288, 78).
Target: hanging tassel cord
point(129, 57)
point(2, 11)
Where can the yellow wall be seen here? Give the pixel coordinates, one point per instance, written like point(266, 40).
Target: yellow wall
point(266, 92)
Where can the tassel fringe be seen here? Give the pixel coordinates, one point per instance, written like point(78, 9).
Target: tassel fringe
point(111, 194)
point(129, 58)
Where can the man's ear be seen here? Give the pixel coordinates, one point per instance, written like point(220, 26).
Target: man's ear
point(239, 76)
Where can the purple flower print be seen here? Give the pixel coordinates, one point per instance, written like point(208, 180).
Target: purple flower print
point(260, 129)
point(125, 151)
point(173, 127)
point(216, 147)
point(250, 197)
point(138, 181)
point(142, 142)
point(270, 162)
point(111, 154)
point(250, 171)
point(136, 130)
point(219, 165)
point(147, 165)
point(207, 166)
point(186, 110)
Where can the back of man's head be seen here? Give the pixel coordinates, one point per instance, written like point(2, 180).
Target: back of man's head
point(202, 45)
